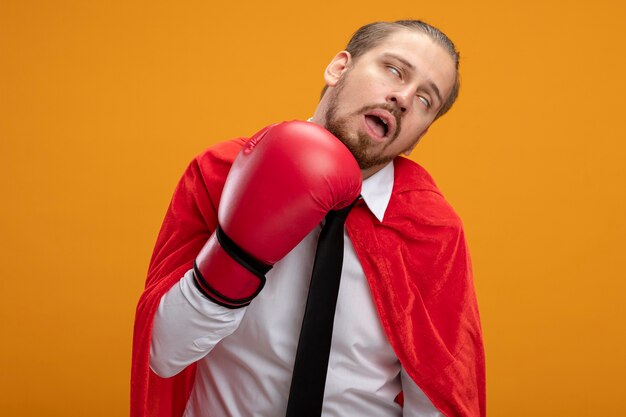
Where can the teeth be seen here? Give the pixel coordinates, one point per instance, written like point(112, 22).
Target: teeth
point(386, 128)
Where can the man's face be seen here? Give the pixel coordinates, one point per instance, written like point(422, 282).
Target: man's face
point(384, 101)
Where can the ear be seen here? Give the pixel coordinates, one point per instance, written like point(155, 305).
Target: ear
point(408, 151)
point(337, 67)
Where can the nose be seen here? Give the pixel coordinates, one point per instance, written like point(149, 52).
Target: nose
point(401, 99)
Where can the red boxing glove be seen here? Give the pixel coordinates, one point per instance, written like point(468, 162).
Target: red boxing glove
point(281, 185)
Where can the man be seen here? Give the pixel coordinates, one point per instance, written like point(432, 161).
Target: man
point(406, 319)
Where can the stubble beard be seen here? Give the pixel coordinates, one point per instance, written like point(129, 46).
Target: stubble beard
point(359, 144)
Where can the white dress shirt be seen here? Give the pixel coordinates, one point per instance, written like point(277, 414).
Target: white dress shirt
point(245, 356)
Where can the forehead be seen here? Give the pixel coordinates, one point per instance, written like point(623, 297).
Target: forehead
point(417, 48)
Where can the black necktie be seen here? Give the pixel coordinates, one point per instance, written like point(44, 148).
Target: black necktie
point(309, 372)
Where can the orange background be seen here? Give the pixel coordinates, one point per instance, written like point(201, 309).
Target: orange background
point(102, 104)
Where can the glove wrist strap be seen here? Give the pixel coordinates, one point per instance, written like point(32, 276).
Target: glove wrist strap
point(257, 268)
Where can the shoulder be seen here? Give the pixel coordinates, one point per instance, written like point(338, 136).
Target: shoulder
point(222, 153)
point(410, 176)
point(415, 194)
point(214, 162)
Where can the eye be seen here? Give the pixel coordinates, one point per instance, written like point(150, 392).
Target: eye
point(395, 71)
point(424, 101)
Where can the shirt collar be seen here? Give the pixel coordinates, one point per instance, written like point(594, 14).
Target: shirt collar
point(376, 191)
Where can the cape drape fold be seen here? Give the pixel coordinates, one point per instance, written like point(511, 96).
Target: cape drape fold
point(416, 263)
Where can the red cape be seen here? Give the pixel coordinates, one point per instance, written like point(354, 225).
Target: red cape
point(416, 263)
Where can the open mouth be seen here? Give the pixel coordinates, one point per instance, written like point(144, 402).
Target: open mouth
point(378, 125)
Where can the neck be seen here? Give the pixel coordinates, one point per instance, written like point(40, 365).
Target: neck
point(366, 173)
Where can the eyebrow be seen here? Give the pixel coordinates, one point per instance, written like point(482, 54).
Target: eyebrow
point(407, 64)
